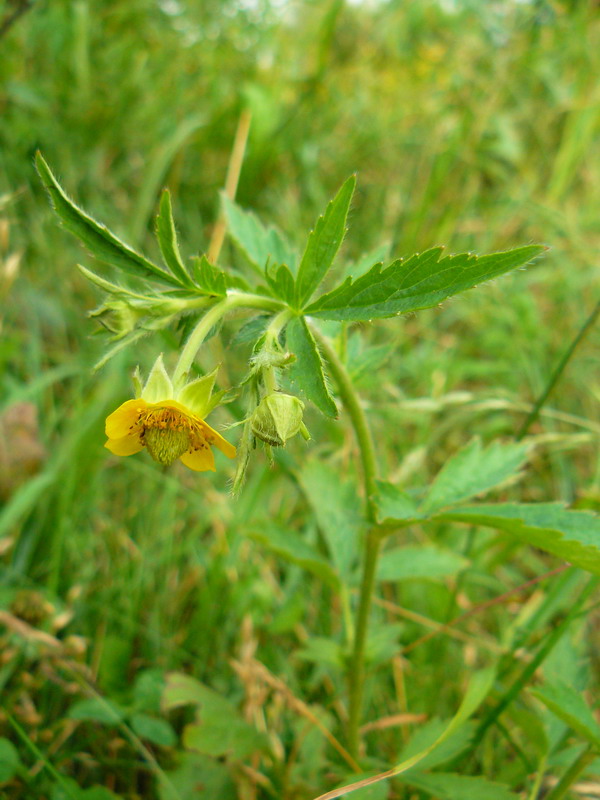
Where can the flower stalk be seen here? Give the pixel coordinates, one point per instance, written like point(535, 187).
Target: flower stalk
point(351, 402)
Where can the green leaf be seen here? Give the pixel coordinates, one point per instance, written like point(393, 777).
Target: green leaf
point(282, 282)
point(415, 563)
point(198, 777)
point(294, 549)
point(428, 733)
point(208, 278)
point(320, 650)
point(158, 386)
point(323, 243)
point(152, 729)
point(196, 395)
point(307, 371)
point(449, 786)
point(573, 536)
point(103, 244)
point(395, 506)
point(10, 762)
point(167, 239)
point(569, 706)
point(338, 512)
point(473, 471)
point(422, 281)
point(97, 709)
point(259, 244)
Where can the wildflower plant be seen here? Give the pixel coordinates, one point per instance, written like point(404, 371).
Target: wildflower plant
point(298, 329)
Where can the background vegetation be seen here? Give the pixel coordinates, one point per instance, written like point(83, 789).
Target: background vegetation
point(470, 124)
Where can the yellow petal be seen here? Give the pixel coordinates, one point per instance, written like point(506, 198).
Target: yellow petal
point(118, 424)
point(219, 442)
point(125, 445)
point(199, 460)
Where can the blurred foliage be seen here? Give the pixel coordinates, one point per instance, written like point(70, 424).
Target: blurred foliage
point(474, 125)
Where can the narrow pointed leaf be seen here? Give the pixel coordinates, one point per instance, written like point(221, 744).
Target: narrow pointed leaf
point(103, 244)
point(282, 282)
point(323, 243)
point(573, 536)
point(307, 371)
point(422, 281)
point(473, 471)
point(208, 278)
point(260, 245)
point(167, 239)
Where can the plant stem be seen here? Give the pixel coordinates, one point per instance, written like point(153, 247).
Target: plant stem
point(571, 775)
point(209, 320)
point(558, 371)
point(358, 418)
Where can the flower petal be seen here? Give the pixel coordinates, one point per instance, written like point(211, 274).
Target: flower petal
point(125, 445)
point(218, 441)
point(118, 424)
point(199, 460)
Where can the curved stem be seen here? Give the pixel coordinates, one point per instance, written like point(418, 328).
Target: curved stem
point(362, 431)
point(571, 775)
point(209, 320)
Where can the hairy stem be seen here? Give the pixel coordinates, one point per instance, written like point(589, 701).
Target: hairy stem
point(362, 431)
point(209, 320)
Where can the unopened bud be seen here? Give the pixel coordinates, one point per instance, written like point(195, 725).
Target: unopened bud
point(277, 418)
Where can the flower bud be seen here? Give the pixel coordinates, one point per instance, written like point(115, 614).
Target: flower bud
point(277, 418)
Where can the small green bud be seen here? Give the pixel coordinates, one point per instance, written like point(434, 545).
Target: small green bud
point(118, 317)
point(277, 418)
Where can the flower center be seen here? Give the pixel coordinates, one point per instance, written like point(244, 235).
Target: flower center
point(167, 434)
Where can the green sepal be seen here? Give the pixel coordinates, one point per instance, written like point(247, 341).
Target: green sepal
point(422, 281)
point(166, 236)
point(101, 242)
point(158, 386)
point(323, 243)
point(197, 395)
point(307, 371)
point(136, 379)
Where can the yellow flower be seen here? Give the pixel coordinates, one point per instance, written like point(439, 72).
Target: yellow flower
point(167, 427)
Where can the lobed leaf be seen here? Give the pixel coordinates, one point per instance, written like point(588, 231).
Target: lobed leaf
point(573, 536)
point(473, 471)
point(103, 244)
point(307, 371)
point(323, 243)
point(259, 244)
point(568, 705)
point(421, 281)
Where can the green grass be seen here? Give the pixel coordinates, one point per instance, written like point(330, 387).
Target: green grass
point(476, 129)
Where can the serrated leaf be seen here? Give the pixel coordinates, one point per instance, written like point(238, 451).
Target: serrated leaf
point(167, 239)
point(422, 281)
point(323, 243)
point(308, 371)
point(208, 278)
point(418, 563)
point(103, 244)
point(293, 548)
point(113, 288)
point(569, 706)
point(259, 244)
point(473, 471)
point(338, 512)
point(450, 786)
point(573, 536)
